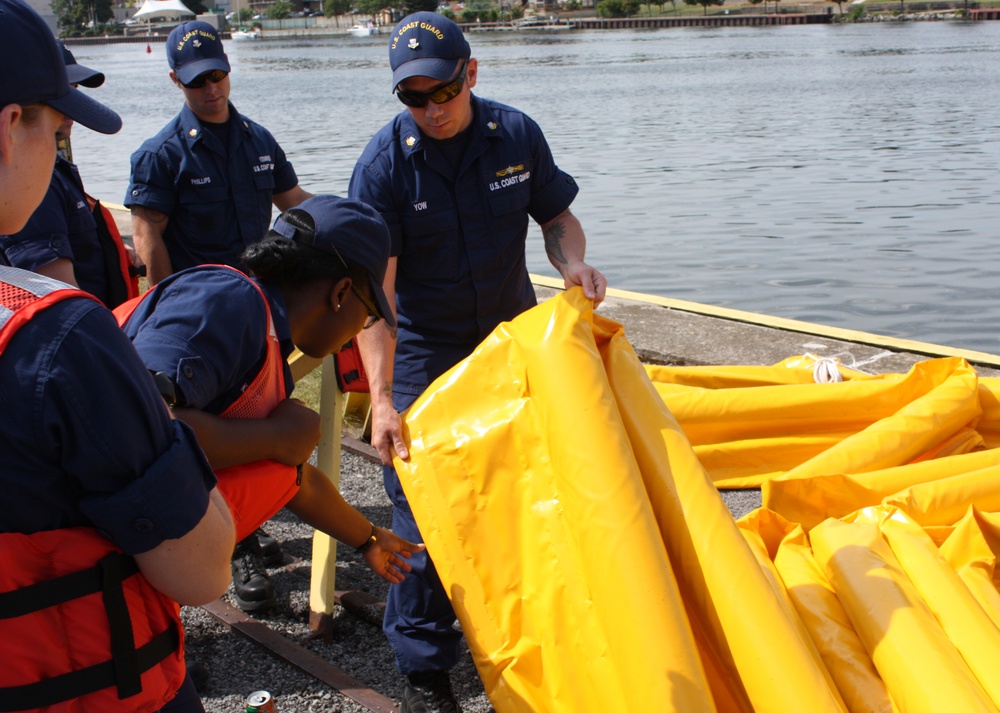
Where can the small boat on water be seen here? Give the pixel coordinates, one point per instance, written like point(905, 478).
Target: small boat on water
point(363, 30)
point(244, 34)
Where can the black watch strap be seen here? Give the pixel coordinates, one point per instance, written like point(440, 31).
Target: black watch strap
point(165, 385)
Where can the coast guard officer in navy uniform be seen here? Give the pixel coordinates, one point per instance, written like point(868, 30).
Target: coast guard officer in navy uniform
point(456, 178)
point(201, 190)
point(111, 515)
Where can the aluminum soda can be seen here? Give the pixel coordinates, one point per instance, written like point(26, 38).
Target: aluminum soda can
point(260, 702)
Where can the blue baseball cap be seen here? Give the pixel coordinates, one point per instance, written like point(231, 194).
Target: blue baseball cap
point(426, 44)
point(194, 48)
point(77, 73)
point(356, 232)
point(35, 73)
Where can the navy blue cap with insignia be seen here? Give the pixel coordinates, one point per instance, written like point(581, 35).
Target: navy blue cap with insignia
point(426, 44)
point(194, 48)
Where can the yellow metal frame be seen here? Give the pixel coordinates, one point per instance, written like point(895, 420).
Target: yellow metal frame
point(323, 578)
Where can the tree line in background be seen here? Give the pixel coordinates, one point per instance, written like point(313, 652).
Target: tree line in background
point(96, 17)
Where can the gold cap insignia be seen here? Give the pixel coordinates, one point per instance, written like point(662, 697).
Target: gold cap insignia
point(413, 44)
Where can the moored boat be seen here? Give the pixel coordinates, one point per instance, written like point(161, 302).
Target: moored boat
point(363, 30)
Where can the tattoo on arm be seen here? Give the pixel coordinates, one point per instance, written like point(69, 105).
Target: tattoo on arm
point(554, 235)
point(387, 389)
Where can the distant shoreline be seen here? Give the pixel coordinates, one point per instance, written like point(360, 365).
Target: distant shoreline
point(728, 18)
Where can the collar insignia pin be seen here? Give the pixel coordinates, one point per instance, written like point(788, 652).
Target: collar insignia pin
point(413, 44)
point(193, 133)
point(410, 140)
point(492, 126)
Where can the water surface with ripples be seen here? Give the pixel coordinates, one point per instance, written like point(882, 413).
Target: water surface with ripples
point(839, 174)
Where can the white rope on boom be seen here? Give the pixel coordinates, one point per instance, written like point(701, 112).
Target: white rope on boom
point(826, 371)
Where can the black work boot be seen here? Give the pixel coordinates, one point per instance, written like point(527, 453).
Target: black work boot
point(429, 692)
point(269, 547)
point(250, 583)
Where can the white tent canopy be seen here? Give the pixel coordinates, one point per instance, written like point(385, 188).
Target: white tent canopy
point(162, 8)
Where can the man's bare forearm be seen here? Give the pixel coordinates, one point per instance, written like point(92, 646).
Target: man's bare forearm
point(148, 227)
point(565, 241)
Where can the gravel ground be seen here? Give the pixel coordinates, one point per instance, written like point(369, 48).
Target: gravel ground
point(237, 667)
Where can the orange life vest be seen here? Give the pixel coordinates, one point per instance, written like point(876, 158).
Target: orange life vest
point(255, 491)
point(351, 374)
point(82, 630)
point(123, 280)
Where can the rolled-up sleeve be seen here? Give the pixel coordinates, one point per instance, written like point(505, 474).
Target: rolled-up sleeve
point(188, 331)
point(152, 182)
point(285, 178)
point(163, 503)
point(141, 477)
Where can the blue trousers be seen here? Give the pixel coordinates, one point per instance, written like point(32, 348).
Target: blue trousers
point(187, 700)
point(419, 621)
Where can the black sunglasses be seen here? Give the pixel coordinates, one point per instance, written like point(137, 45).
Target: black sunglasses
point(215, 76)
point(439, 96)
point(373, 313)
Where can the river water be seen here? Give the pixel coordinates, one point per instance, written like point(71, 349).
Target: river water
point(839, 174)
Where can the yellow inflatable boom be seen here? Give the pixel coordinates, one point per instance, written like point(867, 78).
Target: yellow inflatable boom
point(576, 526)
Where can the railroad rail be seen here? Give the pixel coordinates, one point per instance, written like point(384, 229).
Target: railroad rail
point(360, 604)
point(284, 649)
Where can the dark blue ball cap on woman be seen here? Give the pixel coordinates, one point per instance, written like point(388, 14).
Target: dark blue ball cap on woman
point(353, 231)
point(426, 44)
point(40, 75)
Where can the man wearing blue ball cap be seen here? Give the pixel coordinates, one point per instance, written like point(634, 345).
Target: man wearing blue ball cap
point(201, 190)
point(456, 178)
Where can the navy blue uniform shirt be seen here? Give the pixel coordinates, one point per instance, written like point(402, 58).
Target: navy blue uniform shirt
point(217, 198)
point(86, 437)
point(62, 227)
point(459, 241)
point(206, 329)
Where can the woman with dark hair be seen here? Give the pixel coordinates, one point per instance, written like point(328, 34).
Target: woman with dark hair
point(218, 341)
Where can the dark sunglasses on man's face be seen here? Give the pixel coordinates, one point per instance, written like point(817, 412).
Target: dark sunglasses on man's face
point(439, 96)
point(215, 76)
